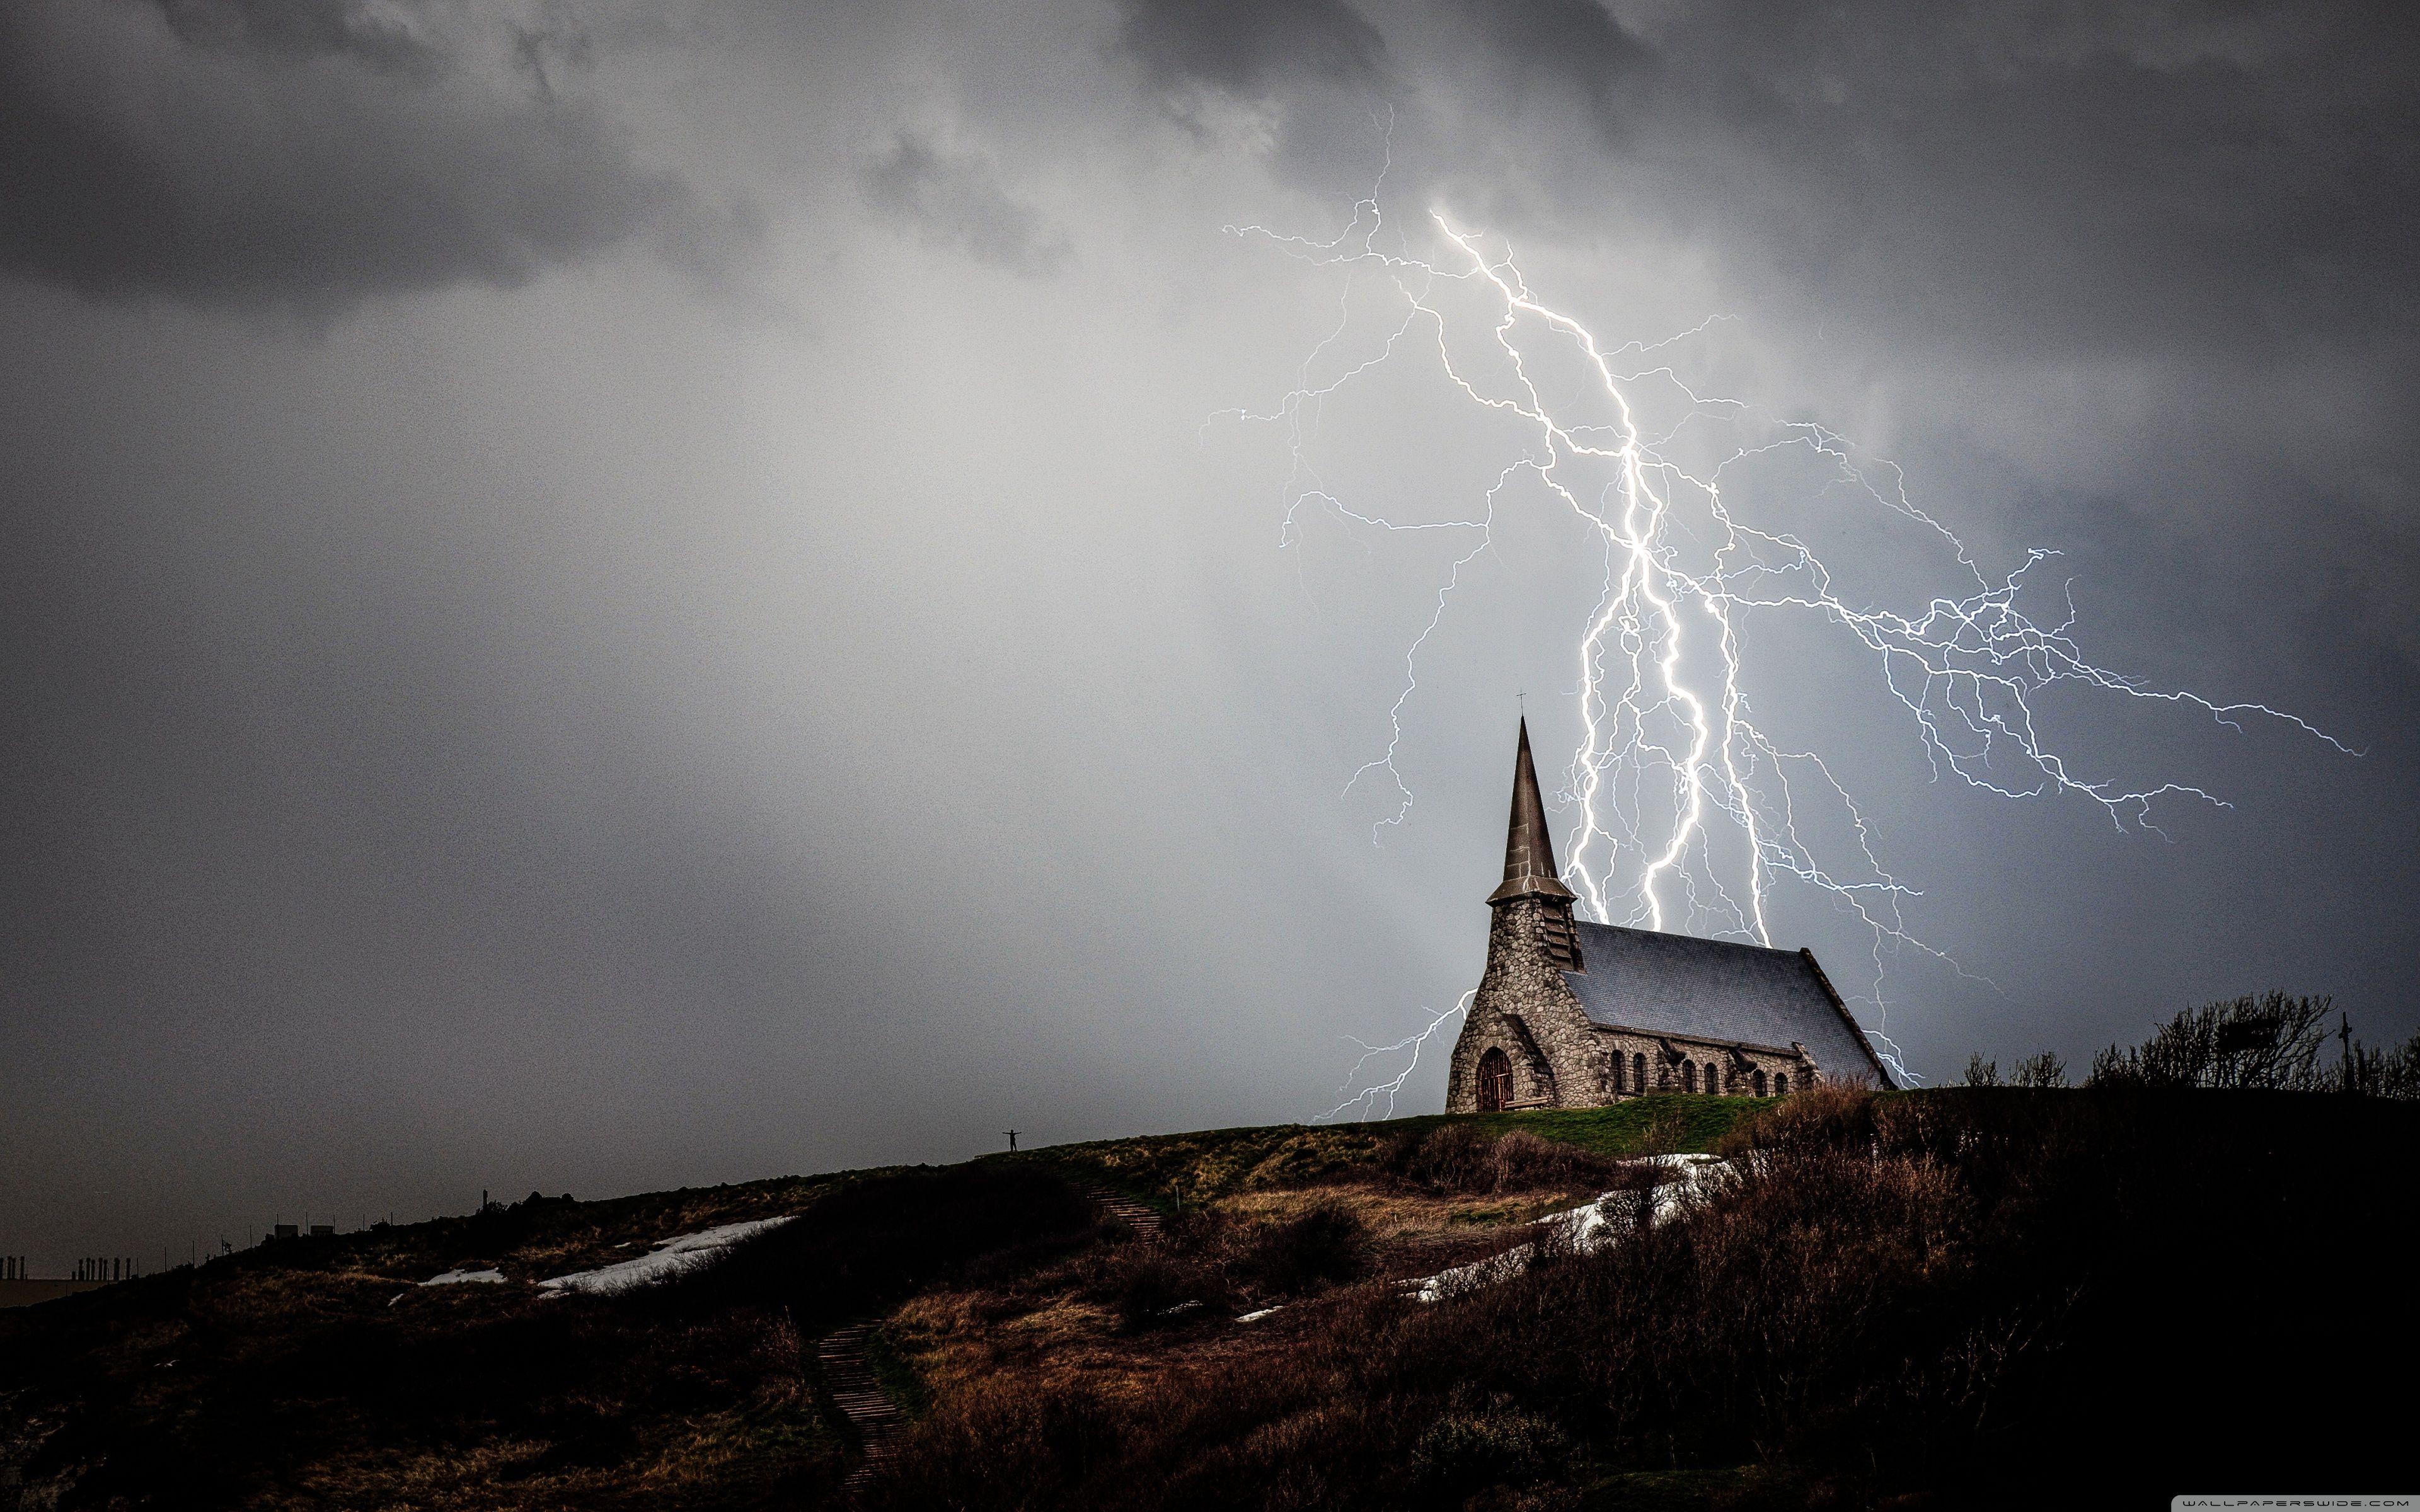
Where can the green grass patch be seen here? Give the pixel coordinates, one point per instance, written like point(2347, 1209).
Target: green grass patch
point(1622, 1129)
point(1481, 1217)
point(895, 1374)
point(1167, 1169)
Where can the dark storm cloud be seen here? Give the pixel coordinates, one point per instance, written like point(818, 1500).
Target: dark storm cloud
point(1241, 47)
point(304, 28)
point(1573, 48)
point(954, 200)
point(310, 155)
point(2077, 178)
point(2050, 179)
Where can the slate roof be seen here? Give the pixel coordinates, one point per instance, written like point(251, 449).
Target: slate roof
point(1718, 990)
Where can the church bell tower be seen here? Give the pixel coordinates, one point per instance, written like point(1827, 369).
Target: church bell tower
point(1532, 893)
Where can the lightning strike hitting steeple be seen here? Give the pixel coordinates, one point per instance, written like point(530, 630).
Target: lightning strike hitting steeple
point(1691, 810)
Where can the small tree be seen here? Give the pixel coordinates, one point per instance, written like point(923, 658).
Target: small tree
point(1982, 1073)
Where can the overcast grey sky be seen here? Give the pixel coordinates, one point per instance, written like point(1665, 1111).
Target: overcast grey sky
point(606, 595)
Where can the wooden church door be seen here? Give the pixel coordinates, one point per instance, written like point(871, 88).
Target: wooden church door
point(1495, 1082)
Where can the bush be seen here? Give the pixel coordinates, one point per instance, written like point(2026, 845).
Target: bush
point(1467, 1450)
point(1523, 1162)
point(1463, 1157)
point(2045, 1070)
point(2394, 1073)
point(999, 1445)
point(2271, 1042)
point(1457, 1157)
point(1324, 1245)
point(1148, 1286)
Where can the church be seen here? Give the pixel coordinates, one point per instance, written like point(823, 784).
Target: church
point(1571, 1014)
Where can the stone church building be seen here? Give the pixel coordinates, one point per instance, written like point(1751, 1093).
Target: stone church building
point(1574, 1014)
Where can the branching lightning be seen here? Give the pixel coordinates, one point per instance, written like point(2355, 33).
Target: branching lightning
point(1368, 1097)
point(1690, 812)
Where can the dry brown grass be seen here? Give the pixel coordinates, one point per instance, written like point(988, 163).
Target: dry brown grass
point(1892, 1292)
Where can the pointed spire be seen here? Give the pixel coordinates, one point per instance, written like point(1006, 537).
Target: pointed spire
point(1529, 867)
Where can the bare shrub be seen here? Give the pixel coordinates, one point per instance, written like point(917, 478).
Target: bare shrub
point(1002, 1445)
point(1462, 1157)
point(1469, 1448)
point(1982, 1073)
point(2045, 1070)
point(2392, 1073)
point(1324, 1245)
point(1148, 1286)
point(1523, 1162)
point(2270, 1042)
point(2398, 1075)
point(1825, 1116)
point(1458, 1157)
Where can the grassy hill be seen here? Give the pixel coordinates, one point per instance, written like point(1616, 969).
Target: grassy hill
point(1222, 1163)
point(1966, 1297)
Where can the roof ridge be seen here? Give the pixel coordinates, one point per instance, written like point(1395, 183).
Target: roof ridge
point(1694, 939)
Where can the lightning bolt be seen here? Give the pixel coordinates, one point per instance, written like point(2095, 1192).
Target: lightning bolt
point(1691, 811)
point(1370, 1095)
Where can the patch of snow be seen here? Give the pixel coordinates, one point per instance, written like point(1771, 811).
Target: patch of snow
point(1584, 1228)
point(456, 1277)
point(670, 1257)
point(1255, 1317)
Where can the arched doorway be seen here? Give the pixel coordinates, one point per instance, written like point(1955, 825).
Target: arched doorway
point(1495, 1081)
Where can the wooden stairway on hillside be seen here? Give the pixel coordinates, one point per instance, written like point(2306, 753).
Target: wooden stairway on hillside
point(1144, 1221)
point(849, 1375)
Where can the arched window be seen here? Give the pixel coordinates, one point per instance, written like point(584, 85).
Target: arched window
point(1638, 1074)
point(1760, 1081)
point(1714, 1082)
point(1495, 1081)
point(1688, 1075)
point(1616, 1082)
point(1782, 1084)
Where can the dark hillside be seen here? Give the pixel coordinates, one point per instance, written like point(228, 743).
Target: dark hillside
point(1988, 1298)
point(1971, 1297)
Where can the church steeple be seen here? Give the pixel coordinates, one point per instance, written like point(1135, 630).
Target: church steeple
point(1530, 869)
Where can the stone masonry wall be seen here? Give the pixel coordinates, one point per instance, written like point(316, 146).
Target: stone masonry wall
point(1663, 1067)
point(1524, 1007)
point(1559, 1056)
